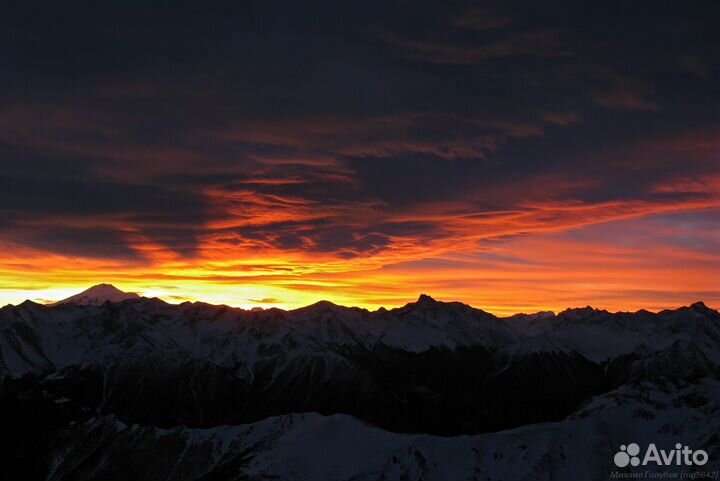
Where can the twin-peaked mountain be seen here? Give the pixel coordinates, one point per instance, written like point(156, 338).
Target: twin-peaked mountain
point(96, 364)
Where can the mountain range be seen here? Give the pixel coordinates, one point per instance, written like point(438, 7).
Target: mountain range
point(108, 385)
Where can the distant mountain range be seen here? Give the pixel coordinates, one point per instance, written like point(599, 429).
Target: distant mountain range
point(108, 385)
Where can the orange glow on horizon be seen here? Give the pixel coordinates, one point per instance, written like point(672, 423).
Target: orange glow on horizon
point(597, 264)
point(513, 164)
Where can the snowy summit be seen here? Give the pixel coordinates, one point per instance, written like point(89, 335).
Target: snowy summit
point(99, 295)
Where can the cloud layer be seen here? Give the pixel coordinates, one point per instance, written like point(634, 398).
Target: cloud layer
point(299, 152)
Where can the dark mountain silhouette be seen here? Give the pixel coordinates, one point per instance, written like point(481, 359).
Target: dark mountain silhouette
point(85, 382)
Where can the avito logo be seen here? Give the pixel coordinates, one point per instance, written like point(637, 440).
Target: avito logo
point(680, 456)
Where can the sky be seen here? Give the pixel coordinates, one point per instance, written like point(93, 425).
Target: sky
point(516, 156)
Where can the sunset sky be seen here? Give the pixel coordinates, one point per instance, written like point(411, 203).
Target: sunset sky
point(516, 156)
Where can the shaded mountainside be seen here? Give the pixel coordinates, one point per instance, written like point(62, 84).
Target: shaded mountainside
point(83, 383)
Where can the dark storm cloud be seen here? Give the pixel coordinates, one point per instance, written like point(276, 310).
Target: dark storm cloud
point(168, 118)
point(94, 242)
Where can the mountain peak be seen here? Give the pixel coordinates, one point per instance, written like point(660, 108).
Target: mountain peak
point(99, 295)
point(320, 306)
point(699, 306)
point(580, 311)
point(425, 299)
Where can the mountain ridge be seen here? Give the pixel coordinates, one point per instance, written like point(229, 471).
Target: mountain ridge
point(105, 292)
point(81, 385)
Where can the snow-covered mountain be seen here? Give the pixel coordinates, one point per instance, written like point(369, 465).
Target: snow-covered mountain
point(601, 335)
point(37, 338)
point(208, 391)
point(99, 295)
point(309, 446)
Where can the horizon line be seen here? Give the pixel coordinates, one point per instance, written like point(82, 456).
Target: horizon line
point(420, 298)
